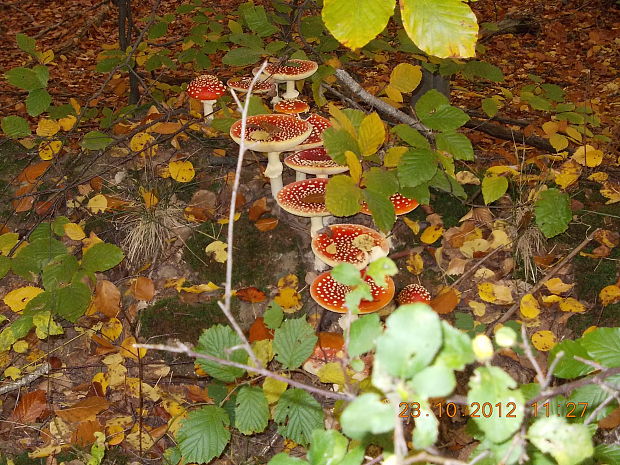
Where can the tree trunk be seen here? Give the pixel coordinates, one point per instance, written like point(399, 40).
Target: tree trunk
point(125, 27)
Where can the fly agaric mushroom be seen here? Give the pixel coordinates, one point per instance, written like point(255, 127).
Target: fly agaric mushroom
point(315, 139)
point(328, 349)
point(330, 294)
point(289, 72)
point(413, 293)
point(291, 107)
point(402, 205)
point(272, 134)
point(242, 84)
point(206, 88)
point(313, 161)
point(349, 243)
point(305, 198)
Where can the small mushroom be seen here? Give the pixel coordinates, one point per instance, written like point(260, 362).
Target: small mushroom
point(330, 294)
point(329, 348)
point(242, 84)
point(289, 72)
point(272, 134)
point(349, 243)
point(305, 198)
point(206, 88)
point(413, 293)
point(291, 107)
point(402, 205)
point(313, 161)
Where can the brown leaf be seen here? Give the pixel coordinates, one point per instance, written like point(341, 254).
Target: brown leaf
point(107, 298)
point(32, 172)
point(611, 421)
point(445, 302)
point(257, 209)
point(166, 128)
point(607, 237)
point(197, 394)
point(251, 294)
point(266, 224)
point(85, 433)
point(84, 410)
point(258, 331)
point(30, 407)
point(143, 288)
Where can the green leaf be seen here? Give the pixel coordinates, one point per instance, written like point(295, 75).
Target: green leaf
point(347, 274)
point(567, 367)
point(399, 353)
point(102, 257)
point(241, 56)
point(382, 209)
point(356, 25)
point(421, 193)
point(456, 352)
point(603, 345)
point(327, 447)
point(31, 259)
point(411, 136)
point(490, 107)
point(607, 453)
point(405, 77)
point(58, 225)
point(430, 101)
point(443, 28)
point(568, 444)
point(380, 268)
point(158, 30)
point(493, 187)
point(59, 271)
point(343, 197)
point(367, 414)
point(444, 118)
point(5, 265)
point(256, 106)
point(456, 144)
point(426, 429)
point(203, 434)
point(417, 166)
point(293, 342)
point(492, 385)
point(297, 414)
point(591, 396)
point(24, 78)
point(252, 410)
point(381, 181)
point(15, 127)
point(96, 140)
point(70, 302)
point(484, 70)
point(256, 19)
point(27, 44)
point(273, 316)
point(285, 459)
point(216, 341)
point(363, 334)
point(38, 101)
point(434, 381)
point(553, 212)
point(553, 91)
point(337, 142)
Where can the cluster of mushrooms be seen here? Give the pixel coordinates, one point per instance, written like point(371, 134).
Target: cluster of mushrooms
point(293, 130)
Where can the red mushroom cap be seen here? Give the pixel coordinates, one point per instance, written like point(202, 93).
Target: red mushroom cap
point(291, 70)
point(340, 243)
point(402, 204)
point(314, 161)
point(327, 347)
point(315, 139)
point(206, 87)
point(304, 198)
point(292, 106)
point(413, 293)
point(330, 294)
point(271, 133)
point(242, 84)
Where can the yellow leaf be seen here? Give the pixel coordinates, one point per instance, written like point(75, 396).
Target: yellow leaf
point(567, 174)
point(482, 347)
point(100, 378)
point(551, 299)
point(406, 77)
point(610, 295)
point(573, 133)
point(495, 293)
point(413, 225)
point(47, 127)
point(501, 169)
point(98, 203)
point(529, 306)
point(129, 351)
point(264, 351)
point(342, 121)
point(21, 347)
point(115, 434)
point(550, 127)
point(112, 329)
point(393, 93)
point(218, 250)
point(543, 340)
point(558, 142)
point(557, 286)
point(225, 220)
point(467, 177)
point(67, 123)
point(289, 299)
point(49, 149)
point(371, 134)
point(149, 197)
point(355, 167)
point(46, 57)
point(199, 288)
point(273, 389)
point(611, 191)
point(91, 240)
point(140, 141)
point(478, 308)
point(572, 305)
point(74, 232)
point(415, 264)
point(17, 299)
point(7, 242)
point(290, 280)
point(498, 238)
point(431, 234)
point(588, 330)
point(393, 155)
point(45, 325)
point(331, 373)
point(181, 171)
point(586, 155)
point(13, 373)
point(469, 248)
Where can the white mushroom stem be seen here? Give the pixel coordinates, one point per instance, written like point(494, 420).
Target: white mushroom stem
point(316, 224)
point(274, 172)
point(207, 109)
point(276, 98)
point(291, 92)
point(299, 176)
point(324, 176)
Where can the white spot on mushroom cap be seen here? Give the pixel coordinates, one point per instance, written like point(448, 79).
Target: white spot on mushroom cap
point(293, 197)
point(206, 83)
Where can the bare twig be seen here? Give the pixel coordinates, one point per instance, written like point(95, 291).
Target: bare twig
point(600, 407)
point(36, 374)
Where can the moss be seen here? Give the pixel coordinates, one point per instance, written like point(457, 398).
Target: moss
point(450, 208)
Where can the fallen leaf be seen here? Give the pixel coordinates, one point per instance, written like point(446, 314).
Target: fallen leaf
point(266, 224)
point(478, 308)
point(572, 305)
point(557, 286)
point(456, 266)
point(567, 174)
point(445, 302)
point(499, 294)
point(181, 171)
point(610, 295)
point(17, 299)
point(74, 231)
point(413, 225)
point(98, 204)
point(129, 351)
point(258, 331)
point(112, 329)
point(258, 208)
point(586, 155)
point(49, 149)
point(251, 294)
point(143, 288)
point(432, 234)
point(289, 299)
point(30, 407)
point(218, 251)
point(611, 190)
point(47, 127)
point(543, 340)
point(290, 280)
point(107, 298)
point(415, 264)
point(529, 306)
point(84, 410)
point(273, 389)
point(606, 237)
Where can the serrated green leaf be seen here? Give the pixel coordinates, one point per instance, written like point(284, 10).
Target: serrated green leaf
point(96, 140)
point(367, 414)
point(293, 342)
point(553, 212)
point(241, 56)
point(58, 225)
point(38, 101)
point(568, 444)
point(343, 197)
point(443, 28)
point(567, 367)
point(363, 334)
point(297, 414)
point(31, 259)
point(347, 274)
point(256, 19)
point(27, 44)
point(444, 118)
point(59, 271)
point(421, 193)
point(490, 107)
point(337, 142)
point(24, 78)
point(553, 91)
point(70, 302)
point(371, 134)
point(603, 345)
point(456, 351)
point(5, 265)
point(380, 268)
point(203, 434)
point(102, 257)
point(430, 101)
point(382, 209)
point(252, 410)
point(411, 136)
point(434, 381)
point(456, 144)
point(355, 27)
point(216, 341)
point(493, 187)
point(157, 30)
point(381, 181)
point(607, 453)
point(273, 316)
point(15, 127)
point(417, 166)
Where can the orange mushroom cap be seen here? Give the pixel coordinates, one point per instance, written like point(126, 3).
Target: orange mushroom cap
point(336, 244)
point(271, 133)
point(242, 84)
point(315, 139)
point(402, 204)
point(304, 198)
point(206, 87)
point(314, 161)
point(292, 106)
point(291, 70)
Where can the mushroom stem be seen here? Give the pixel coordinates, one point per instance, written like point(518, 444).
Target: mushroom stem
point(324, 176)
point(291, 92)
point(316, 224)
point(274, 172)
point(299, 176)
point(207, 109)
point(276, 98)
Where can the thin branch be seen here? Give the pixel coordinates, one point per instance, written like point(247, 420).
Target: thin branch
point(181, 348)
point(600, 407)
point(42, 370)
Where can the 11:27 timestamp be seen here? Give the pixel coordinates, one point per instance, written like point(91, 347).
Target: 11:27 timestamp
point(567, 410)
